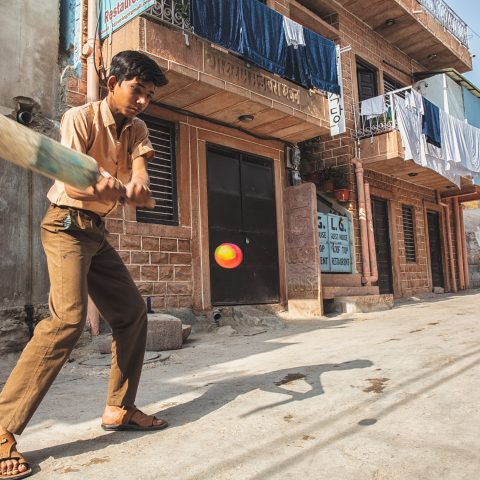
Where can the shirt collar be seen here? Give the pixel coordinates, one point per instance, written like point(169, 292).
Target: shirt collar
point(107, 116)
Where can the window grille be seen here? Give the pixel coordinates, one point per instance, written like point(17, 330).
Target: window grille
point(162, 172)
point(409, 233)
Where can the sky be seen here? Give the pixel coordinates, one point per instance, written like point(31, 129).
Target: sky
point(469, 11)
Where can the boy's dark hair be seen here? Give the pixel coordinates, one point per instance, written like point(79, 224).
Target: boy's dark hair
point(130, 63)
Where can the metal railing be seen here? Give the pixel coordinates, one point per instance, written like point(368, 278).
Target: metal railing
point(371, 124)
point(172, 12)
point(447, 18)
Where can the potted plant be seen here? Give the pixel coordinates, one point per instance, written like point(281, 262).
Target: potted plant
point(326, 179)
point(342, 193)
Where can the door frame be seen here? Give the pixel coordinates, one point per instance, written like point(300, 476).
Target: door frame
point(203, 302)
point(252, 158)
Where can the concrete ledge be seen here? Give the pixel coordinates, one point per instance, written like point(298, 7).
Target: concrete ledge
point(363, 304)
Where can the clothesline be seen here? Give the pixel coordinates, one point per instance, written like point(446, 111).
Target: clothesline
point(269, 40)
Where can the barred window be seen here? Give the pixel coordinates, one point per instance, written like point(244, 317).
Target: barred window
point(409, 233)
point(162, 172)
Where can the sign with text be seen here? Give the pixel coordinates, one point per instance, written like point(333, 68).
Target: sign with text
point(324, 250)
point(335, 253)
point(115, 13)
point(336, 107)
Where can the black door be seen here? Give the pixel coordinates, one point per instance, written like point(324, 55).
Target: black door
point(382, 244)
point(435, 249)
point(241, 210)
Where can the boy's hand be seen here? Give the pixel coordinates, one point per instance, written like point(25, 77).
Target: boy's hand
point(137, 192)
point(109, 188)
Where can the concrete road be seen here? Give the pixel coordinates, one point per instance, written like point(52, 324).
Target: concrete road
point(392, 395)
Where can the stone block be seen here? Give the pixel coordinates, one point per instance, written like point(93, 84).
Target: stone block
point(164, 333)
point(363, 304)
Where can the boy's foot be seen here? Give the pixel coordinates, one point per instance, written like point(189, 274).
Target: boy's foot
point(12, 464)
point(130, 418)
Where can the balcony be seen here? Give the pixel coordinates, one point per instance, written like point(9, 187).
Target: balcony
point(205, 79)
point(382, 150)
point(427, 30)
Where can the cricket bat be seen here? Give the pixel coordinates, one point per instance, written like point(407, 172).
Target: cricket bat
point(36, 152)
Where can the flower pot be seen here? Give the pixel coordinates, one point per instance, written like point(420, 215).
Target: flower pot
point(342, 194)
point(327, 185)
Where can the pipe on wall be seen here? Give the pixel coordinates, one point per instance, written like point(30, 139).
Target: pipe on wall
point(453, 277)
point(89, 51)
point(465, 252)
point(371, 236)
point(459, 244)
point(367, 277)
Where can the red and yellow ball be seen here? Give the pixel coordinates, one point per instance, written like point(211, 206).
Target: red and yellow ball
point(228, 255)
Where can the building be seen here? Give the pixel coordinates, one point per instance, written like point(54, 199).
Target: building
point(236, 126)
point(226, 128)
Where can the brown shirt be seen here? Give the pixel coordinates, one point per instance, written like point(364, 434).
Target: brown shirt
point(91, 129)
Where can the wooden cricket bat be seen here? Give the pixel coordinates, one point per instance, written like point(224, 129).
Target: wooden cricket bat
point(36, 152)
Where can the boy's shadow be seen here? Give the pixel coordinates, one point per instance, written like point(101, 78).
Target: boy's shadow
point(221, 393)
point(217, 395)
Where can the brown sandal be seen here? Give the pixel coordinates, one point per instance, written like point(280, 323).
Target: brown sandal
point(9, 452)
point(125, 421)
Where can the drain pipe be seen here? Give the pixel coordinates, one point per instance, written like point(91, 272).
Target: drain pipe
point(362, 218)
point(465, 251)
point(459, 243)
point(371, 236)
point(88, 51)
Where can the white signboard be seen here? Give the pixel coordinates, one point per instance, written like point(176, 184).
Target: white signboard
point(334, 235)
point(336, 106)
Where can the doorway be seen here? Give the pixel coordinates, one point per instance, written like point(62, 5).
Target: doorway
point(242, 210)
point(435, 246)
point(382, 244)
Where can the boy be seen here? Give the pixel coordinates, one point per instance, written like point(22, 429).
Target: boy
point(81, 262)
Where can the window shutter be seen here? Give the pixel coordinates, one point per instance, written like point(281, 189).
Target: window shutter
point(162, 172)
point(409, 233)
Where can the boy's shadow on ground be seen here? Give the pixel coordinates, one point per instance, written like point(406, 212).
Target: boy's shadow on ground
point(217, 395)
point(222, 393)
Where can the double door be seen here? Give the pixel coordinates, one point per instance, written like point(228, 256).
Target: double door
point(242, 210)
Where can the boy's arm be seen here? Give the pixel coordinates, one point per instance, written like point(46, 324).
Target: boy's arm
point(74, 133)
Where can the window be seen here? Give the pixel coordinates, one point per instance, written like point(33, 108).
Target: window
point(162, 171)
point(390, 85)
point(367, 81)
point(409, 233)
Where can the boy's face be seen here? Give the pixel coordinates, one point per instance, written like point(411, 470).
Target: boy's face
point(131, 97)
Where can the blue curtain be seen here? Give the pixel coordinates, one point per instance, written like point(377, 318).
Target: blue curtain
point(218, 21)
point(263, 39)
point(321, 62)
point(431, 123)
point(296, 68)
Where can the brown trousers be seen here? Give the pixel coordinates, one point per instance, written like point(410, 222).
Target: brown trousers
point(80, 262)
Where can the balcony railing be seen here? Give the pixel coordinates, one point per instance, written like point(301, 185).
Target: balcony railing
point(447, 18)
point(371, 124)
point(172, 12)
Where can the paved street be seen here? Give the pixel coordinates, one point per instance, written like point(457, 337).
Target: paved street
point(389, 395)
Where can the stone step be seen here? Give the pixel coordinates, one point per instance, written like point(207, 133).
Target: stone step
point(341, 280)
point(362, 304)
point(329, 293)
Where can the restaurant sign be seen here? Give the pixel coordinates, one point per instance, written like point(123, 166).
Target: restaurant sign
point(335, 252)
point(115, 13)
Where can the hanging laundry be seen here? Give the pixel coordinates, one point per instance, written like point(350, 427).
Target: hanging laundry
point(414, 100)
point(321, 59)
point(218, 21)
point(262, 40)
point(431, 123)
point(293, 33)
point(296, 67)
point(373, 107)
